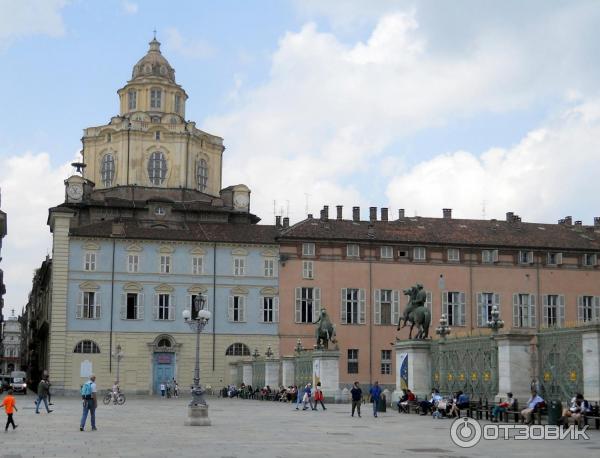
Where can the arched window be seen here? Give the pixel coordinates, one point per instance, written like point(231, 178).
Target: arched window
point(155, 98)
point(164, 342)
point(238, 349)
point(86, 346)
point(157, 168)
point(107, 170)
point(202, 175)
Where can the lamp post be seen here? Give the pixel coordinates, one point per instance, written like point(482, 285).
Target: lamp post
point(197, 408)
point(118, 355)
point(443, 329)
point(495, 323)
point(256, 354)
point(299, 349)
point(269, 352)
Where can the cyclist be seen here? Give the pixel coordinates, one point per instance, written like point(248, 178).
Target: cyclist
point(115, 391)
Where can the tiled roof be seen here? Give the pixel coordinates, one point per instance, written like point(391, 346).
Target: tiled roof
point(196, 232)
point(442, 231)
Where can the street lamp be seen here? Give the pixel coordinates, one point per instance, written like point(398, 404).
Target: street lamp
point(299, 348)
point(443, 329)
point(495, 323)
point(256, 354)
point(118, 354)
point(197, 408)
point(269, 352)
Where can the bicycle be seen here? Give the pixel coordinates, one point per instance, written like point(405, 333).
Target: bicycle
point(118, 399)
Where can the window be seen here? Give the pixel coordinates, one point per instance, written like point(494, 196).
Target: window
point(157, 135)
point(489, 256)
point(453, 305)
point(402, 253)
point(133, 263)
point(387, 306)
point(353, 361)
point(553, 310)
point(588, 308)
point(202, 175)
point(353, 306)
point(164, 343)
point(155, 98)
point(157, 168)
point(132, 100)
point(197, 265)
point(86, 346)
point(308, 304)
point(554, 259)
point(109, 138)
point(308, 249)
point(89, 262)
point(160, 211)
point(237, 309)
point(107, 170)
point(239, 266)
point(132, 306)
point(589, 259)
point(237, 349)
point(89, 306)
point(387, 252)
point(165, 264)
point(453, 255)
point(308, 270)
point(270, 309)
point(386, 362)
point(524, 310)
point(525, 257)
point(419, 253)
point(269, 267)
point(485, 302)
point(352, 250)
point(164, 307)
point(177, 103)
point(202, 304)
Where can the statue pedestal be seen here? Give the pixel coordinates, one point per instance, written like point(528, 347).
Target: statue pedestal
point(272, 373)
point(590, 343)
point(326, 369)
point(247, 373)
point(413, 368)
point(197, 416)
point(514, 362)
point(288, 370)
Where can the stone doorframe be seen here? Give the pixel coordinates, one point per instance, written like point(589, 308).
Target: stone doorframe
point(153, 348)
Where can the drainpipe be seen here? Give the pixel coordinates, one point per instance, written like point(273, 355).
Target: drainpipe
point(368, 315)
point(214, 337)
point(471, 291)
point(112, 302)
point(128, 146)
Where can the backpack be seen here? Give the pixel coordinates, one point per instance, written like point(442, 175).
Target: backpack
point(86, 390)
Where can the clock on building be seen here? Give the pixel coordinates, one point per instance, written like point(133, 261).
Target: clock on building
point(75, 191)
point(240, 200)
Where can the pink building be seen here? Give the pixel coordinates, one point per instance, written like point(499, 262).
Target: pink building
point(539, 275)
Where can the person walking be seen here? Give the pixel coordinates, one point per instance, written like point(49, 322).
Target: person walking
point(175, 388)
point(163, 389)
point(90, 402)
point(356, 393)
point(49, 393)
point(307, 397)
point(375, 393)
point(42, 392)
point(319, 396)
point(10, 406)
point(299, 395)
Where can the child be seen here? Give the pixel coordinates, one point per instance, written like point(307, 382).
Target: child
point(9, 405)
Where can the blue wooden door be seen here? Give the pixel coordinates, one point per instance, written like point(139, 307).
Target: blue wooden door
point(163, 370)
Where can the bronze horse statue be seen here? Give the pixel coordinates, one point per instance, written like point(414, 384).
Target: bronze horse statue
point(325, 331)
point(416, 312)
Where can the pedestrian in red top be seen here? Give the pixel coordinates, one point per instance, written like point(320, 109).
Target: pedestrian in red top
point(319, 396)
point(9, 406)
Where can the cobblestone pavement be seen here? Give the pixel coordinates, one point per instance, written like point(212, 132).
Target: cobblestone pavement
point(149, 427)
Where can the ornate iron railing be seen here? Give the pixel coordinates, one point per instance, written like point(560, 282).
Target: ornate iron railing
point(258, 374)
point(303, 369)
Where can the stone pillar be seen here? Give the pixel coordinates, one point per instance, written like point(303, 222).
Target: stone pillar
point(415, 355)
point(514, 361)
point(590, 345)
point(272, 373)
point(247, 373)
point(232, 374)
point(288, 372)
point(326, 369)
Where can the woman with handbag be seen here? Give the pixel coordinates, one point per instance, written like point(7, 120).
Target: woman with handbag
point(319, 396)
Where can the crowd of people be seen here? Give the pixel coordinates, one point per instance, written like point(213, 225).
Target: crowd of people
point(169, 389)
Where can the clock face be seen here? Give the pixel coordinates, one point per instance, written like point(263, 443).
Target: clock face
point(240, 200)
point(75, 191)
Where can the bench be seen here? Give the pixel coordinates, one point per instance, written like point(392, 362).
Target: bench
point(593, 415)
point(514, 412)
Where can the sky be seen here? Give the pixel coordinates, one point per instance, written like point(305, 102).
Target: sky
point(480, 106)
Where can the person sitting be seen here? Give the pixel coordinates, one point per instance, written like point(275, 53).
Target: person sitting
point(403, 400)
point(532, 403)
point(502, 407)
point(577, 410)
point(460, 401)
point(427, 406)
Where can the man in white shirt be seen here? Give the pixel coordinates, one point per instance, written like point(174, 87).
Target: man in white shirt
point(90, 402)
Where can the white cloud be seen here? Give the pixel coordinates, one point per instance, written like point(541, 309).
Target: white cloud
point(187, 47)
point(552, 172)
point(129, 7)
point(20, 18)
point(29, 188)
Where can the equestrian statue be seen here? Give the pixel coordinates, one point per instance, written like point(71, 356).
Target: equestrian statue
point(416, 313)
point(325, 331)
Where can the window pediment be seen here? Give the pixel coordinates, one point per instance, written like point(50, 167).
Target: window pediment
point(166, 249)
point(132, 287)
point(197, 289)
point(134, 247)
point(91, 246)
point(239, 290)
point(197, 251)
point(269, 291)
point(239, 252)
point(89, 286)
point(269, 253)
point(164, 288)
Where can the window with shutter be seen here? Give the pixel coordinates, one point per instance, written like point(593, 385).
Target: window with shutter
point(123, 313)
point(480, 309)
point(377, 307)
point(396, 306)
point(317, 303)
point(140, 306)
point(385, 304)
point(532, 311)
point(343, 306)
point(79, 309)
point(230, 309)
point(362, 306)
point(561, 311)
point(517, 323)
point(276, 310)
point(596, 312)
point(298, 306)
point(155, 308)
point(462, 309)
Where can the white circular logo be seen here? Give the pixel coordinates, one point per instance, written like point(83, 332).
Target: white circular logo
point(465, 432)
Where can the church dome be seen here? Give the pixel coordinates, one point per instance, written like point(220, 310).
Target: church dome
point(153, 64)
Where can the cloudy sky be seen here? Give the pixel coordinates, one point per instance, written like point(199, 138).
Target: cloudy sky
point(477, 105)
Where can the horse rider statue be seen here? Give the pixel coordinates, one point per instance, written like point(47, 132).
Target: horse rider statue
point(416, 312)
point(325, 331)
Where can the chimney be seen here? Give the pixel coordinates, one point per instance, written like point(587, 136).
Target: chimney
point(372, 213)
point(447, 213)
point(325, 213)
point(286, 222)
point(578, 223)
point(510, 217)
point(384, 214)
point(568, 220)
point(322, 215)
point(339, 209)
point(278, 221)
point(400, 213)
point(596, 221)
point(355, 213)
point(310, 216)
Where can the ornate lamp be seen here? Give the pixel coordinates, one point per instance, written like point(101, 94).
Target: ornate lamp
point(255, 354)
point(299, 348)
point(269, 352)
point(443, 329)
point(495, 323)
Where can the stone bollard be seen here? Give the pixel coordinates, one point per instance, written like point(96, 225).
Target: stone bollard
point(386, 393)
point(345, 395)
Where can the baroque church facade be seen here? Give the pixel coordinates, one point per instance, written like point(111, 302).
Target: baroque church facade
point(144, 231)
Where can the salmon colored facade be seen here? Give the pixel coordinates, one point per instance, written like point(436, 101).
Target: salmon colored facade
point(533, 287)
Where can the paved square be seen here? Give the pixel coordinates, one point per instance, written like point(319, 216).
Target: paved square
point(150, 427)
